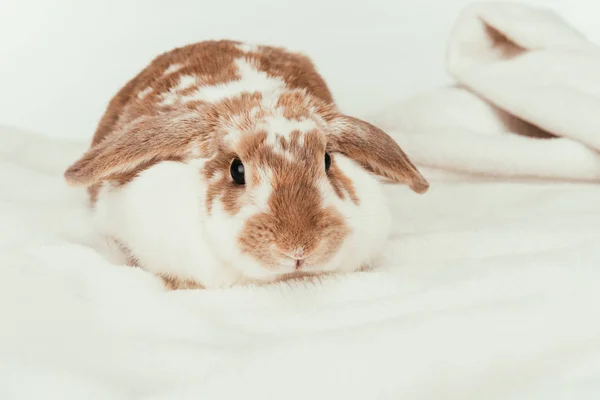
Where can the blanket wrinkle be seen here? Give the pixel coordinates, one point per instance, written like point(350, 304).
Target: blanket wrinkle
point(487, 287)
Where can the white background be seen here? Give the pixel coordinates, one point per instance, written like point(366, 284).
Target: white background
point(62, 60)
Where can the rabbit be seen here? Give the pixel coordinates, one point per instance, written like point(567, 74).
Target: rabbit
point(224, 163)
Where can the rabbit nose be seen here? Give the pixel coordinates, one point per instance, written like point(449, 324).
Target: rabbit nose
point(298, 255)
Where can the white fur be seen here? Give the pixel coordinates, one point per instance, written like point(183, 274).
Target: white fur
point(172, 69)
point(260, 196)
point(276, 126)
point(186, 81)
point(369, 222)
point(168, 98)
point(278, 147)
point(166, 228)
point(232, 127)
point(171, 233)
point(145, 92)
point(247, 47)
point(173, 95)
point(279, 125)
point(251, 80)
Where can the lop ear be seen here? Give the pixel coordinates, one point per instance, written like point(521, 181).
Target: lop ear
point(140, 144)
point(375, 150)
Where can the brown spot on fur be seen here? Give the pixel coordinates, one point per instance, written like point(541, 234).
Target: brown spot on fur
point(131, 260)
point(233, 113)
point(295, 146)
point(342, 185)
point(210, 61)
point(283, 143)
point(239, 104)
point(223, 188)
point(175, 283)
point(93, 192)
point(124, 178)
point(170, 282)
point(294, 104)
point(121, 156)
point(297, 70)
point(375, 150)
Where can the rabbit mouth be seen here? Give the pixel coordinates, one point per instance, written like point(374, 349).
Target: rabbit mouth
point(301, 275)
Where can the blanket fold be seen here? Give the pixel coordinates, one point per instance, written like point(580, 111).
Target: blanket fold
point(526, 102)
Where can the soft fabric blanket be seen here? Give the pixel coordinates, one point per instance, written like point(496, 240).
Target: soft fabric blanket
point(488, 290)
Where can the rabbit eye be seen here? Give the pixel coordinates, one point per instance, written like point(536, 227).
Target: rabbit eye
point(327, 162)
point(237, 171)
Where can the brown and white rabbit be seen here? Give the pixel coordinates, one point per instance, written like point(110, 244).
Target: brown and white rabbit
point(223, 163)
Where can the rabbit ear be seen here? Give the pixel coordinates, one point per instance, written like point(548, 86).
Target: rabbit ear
point(140, 144)
point(375, 150)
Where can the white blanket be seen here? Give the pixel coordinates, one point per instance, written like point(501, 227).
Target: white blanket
point(489, 288)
